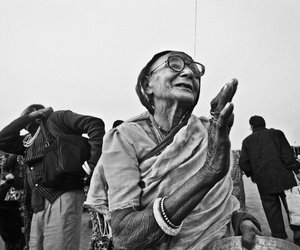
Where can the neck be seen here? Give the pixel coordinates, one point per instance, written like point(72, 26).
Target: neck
point(259, 128)
point(168, 118)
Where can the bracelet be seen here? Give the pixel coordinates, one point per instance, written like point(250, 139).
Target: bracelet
point(165, 216)
point(160, 219)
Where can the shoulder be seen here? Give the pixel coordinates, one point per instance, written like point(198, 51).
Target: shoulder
point(133, 130)
point(275, 131)
point(135, 123)
point(58, 114)
point(247, 139)
point(68, 114)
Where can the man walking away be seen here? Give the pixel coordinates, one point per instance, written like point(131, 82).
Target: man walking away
point(268, 159)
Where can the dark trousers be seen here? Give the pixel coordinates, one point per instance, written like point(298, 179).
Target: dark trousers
point(11, 225)
point(272, 207)
point(10, 221)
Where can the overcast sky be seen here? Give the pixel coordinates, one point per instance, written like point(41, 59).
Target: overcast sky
point(86, 55)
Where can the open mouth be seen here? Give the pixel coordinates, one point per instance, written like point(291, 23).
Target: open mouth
point(185, 85)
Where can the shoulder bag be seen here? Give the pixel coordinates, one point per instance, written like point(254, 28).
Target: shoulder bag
point(63, 160)
point(292, 197)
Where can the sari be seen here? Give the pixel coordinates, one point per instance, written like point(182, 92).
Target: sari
point(120, 181)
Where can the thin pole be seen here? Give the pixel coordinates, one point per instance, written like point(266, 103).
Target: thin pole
point(195, 31)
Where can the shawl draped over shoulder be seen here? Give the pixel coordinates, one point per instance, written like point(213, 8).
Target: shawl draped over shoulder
point(119, 181)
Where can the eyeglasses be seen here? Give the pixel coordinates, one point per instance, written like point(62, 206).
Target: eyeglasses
point(177, 64)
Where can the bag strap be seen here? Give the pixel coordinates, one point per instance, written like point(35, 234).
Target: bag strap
point(53, 130)
point(47, 141)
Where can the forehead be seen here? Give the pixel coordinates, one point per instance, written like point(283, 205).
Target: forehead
point(163, 58)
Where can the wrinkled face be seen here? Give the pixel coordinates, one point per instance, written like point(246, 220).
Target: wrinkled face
point(167, 85)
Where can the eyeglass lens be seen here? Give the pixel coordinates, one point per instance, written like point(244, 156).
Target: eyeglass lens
point(178, 64)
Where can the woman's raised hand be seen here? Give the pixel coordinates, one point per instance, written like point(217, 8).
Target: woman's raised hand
point(218, 155)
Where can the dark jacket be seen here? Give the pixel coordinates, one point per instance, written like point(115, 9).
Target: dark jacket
point(268, 159)
point(68, 122)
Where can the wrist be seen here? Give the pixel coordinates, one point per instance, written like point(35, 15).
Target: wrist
point(241, 219)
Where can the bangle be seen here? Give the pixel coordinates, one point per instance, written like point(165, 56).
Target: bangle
point(160, 219)
point(165, 216)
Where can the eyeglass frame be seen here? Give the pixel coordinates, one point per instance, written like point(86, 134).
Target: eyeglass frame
point(184, 64)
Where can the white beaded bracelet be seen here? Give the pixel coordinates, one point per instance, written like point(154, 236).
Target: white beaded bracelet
point(161, 221)
point(162, 209)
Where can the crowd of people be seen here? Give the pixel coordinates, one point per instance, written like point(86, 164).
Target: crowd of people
point(159, 180)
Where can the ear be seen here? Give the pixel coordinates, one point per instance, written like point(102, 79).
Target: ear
point(149, 90)
point(147, 85)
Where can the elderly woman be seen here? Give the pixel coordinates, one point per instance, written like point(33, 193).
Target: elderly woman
point(167, 171)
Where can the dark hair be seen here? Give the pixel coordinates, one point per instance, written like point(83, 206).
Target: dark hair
point(31, 108)
point(257, 121)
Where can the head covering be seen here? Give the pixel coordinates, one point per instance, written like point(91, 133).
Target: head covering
point(257, 122)
point(142, 82)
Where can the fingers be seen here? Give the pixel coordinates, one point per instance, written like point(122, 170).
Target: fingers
point(225, 95)
point(41, 113)
point(47, 111)
point(249, 232)
point(226, 117)
point(234, 83)
point(249, 240)
point(257, 232)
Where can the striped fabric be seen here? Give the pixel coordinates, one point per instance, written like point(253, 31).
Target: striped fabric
point(33, 159)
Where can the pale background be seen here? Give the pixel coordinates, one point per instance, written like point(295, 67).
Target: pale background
point(86, 55)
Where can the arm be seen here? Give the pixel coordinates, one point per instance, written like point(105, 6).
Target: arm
point(287, 155)
point(10, 139)
point(244, 161)
point(137, 229)
point(83, 124)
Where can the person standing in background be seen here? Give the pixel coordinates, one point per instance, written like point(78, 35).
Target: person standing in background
point(267, 158)
point(56, 220)
point(11, 189)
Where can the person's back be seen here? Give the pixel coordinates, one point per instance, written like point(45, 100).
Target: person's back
point(265, 159)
